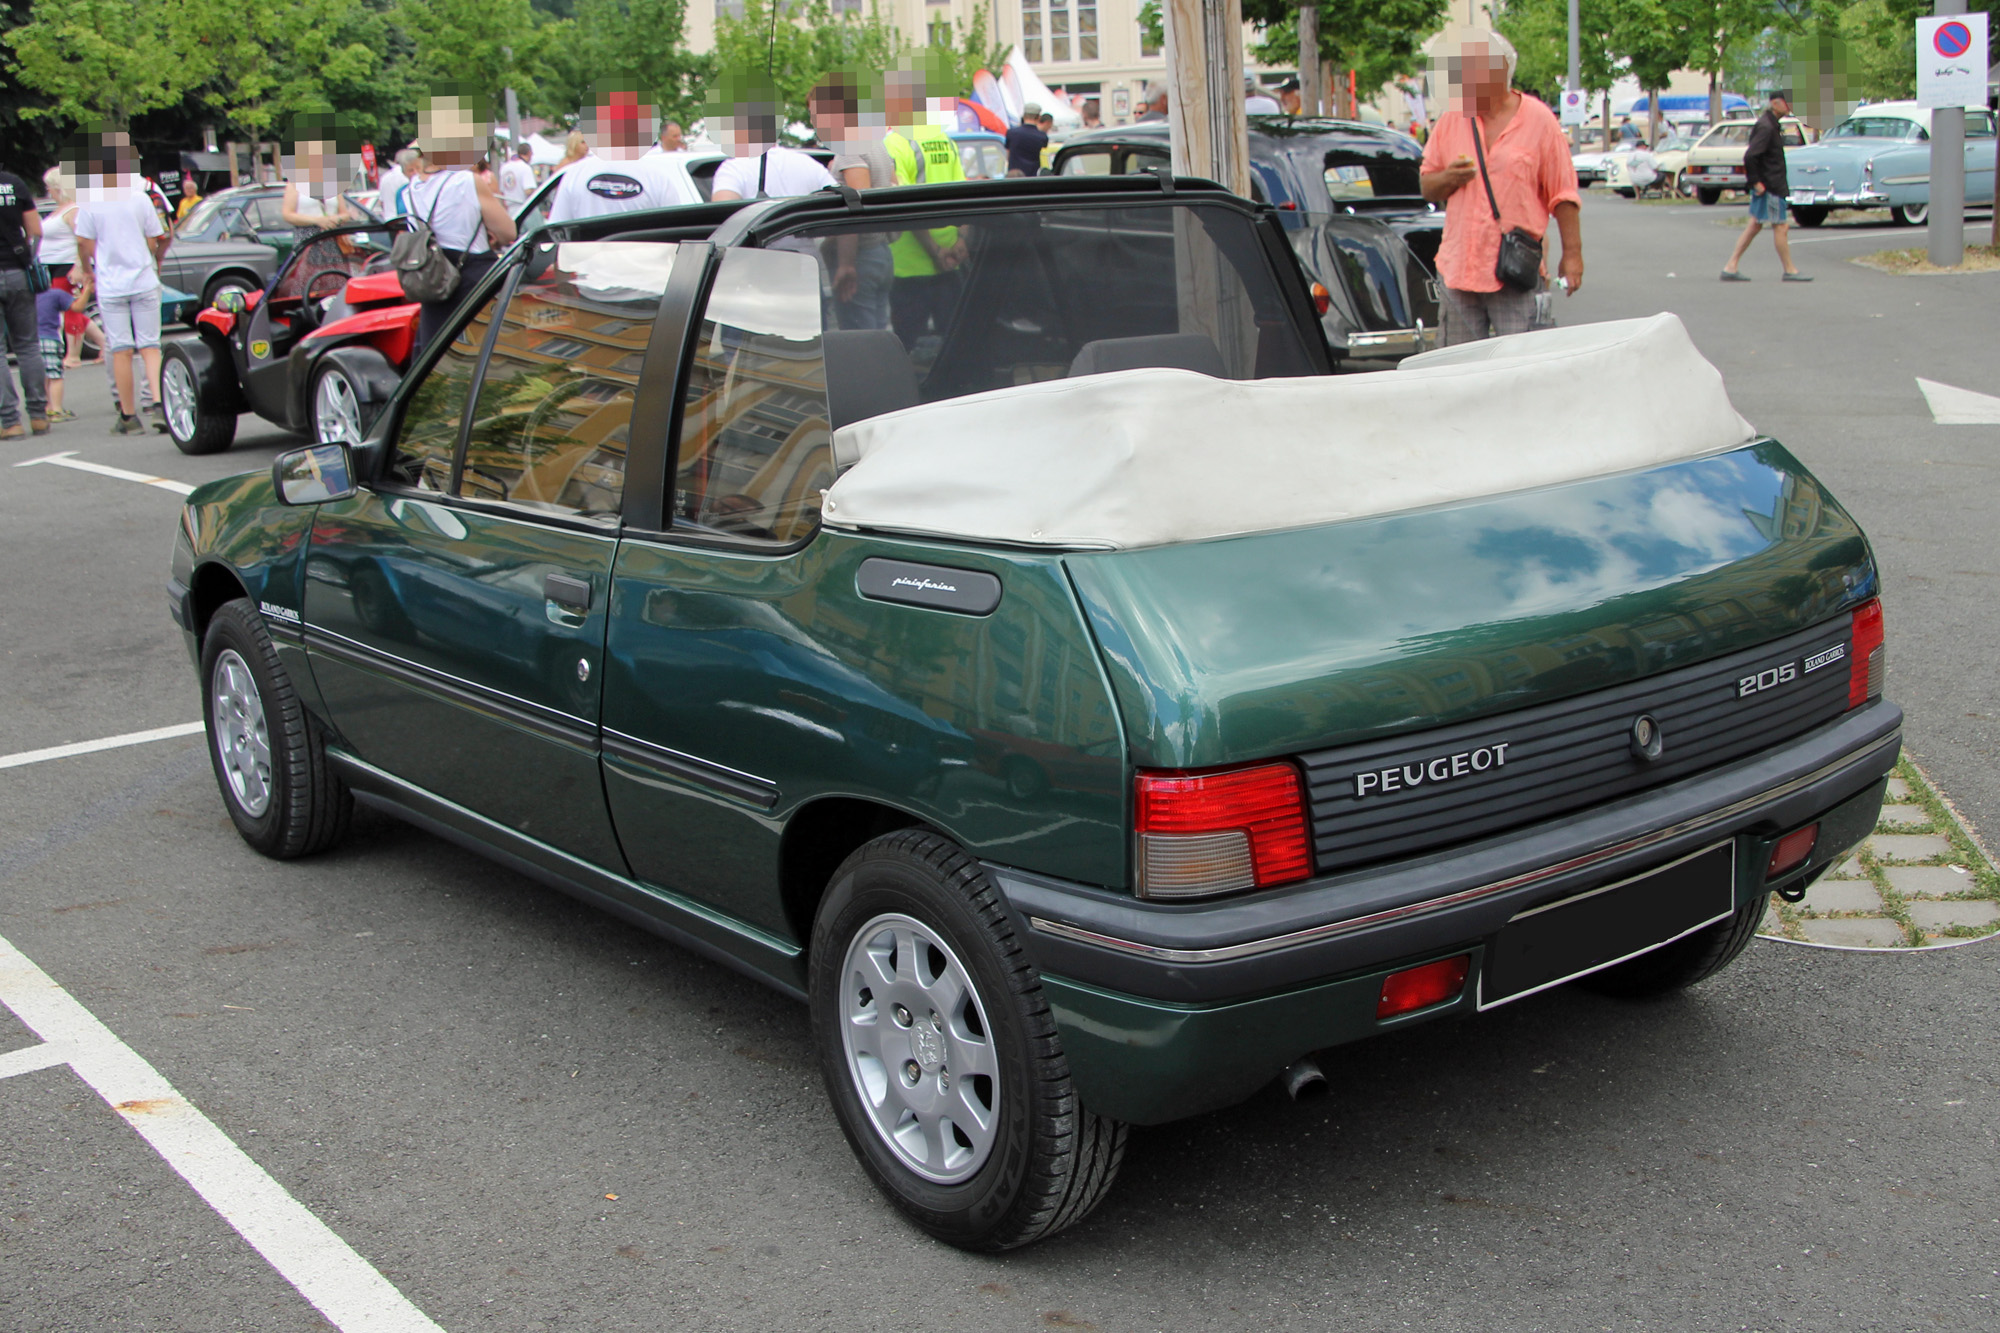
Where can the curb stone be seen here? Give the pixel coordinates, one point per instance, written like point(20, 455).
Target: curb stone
point(1920, 881)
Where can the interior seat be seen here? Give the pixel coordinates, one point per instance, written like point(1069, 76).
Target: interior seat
point(1157, 351)
point(868, 374)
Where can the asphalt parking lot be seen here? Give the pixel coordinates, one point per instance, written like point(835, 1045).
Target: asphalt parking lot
point(518, 1113)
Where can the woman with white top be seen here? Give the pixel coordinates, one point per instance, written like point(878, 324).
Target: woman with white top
point(59, 227)
point(466, 216)
point(314, 162)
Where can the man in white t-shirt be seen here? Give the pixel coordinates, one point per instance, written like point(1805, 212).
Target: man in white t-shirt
point(517, 179)
point(673, 139)
point(393, 181)
point(119, 241)
point(621, 175)
point(743, 116)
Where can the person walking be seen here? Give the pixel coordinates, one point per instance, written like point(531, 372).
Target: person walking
point(1499, 164)
point(1026, 141)
point(1764, 175)
point(51, 307)
point(463, 211)
point(119, 241)
point(517, 178)
point(20, 237)
point(389, 190)
point(862, 271)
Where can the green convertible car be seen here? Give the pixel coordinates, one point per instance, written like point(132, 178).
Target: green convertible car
point(1040, 663)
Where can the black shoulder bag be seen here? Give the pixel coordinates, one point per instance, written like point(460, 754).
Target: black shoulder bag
point(1520, 263)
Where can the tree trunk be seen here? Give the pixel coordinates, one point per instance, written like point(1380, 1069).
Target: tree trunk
point(1211, 135)
point(1714, 98)
point(1309, 85)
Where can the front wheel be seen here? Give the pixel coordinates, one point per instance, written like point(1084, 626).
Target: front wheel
point(336, 408)
point(1811, 215)
point(196, 422)
point(1677, 966)
point(268, 755)
point(1910, 215)
point(941, 1056)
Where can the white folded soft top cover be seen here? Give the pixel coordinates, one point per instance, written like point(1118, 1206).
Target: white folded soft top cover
point(1147, 457)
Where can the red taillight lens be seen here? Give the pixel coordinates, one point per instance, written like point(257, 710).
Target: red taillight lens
point(1322, 298)
point(1421, 987)
point(1203, 833)
point(1864, 659)
point(1792, 851)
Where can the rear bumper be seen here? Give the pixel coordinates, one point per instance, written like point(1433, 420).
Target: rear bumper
point(1837, 199)
point(1169, 1011)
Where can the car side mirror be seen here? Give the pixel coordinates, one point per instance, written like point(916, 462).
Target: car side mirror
point(316, 475)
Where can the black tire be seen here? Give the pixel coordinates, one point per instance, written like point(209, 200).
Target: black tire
point(1812, 215)
point(209, 426)
point(306, 807)
point(221, 282)
point(1052, 1160)
point(1708, 196)
point(1912, 215)
point(1625, 192)
point(1684, 962)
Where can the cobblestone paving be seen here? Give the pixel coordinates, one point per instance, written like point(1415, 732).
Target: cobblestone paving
point(1920, 881)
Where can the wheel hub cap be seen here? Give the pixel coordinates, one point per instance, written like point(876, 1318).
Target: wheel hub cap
point(336, 410)
point(242, 740)
point(177, 397)
point(919, 1049)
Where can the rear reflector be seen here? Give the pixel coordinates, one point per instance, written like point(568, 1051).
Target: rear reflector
point(1205, 833)
point(1421, 987)
point(1792, 851)
point(1864, 663)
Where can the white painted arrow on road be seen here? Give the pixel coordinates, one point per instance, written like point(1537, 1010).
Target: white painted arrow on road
point(1959, 407)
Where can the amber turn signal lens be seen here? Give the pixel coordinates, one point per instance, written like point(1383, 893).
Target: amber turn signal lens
point(1792, 851)
point(1421, 987)
point(1322, 298)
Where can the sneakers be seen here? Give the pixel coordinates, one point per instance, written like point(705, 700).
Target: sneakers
point(1727, 276)
point(39, 425)
point(158, 418)
point(61, 414)
point(129, 426)
point(14, 432)
point(1798, 277)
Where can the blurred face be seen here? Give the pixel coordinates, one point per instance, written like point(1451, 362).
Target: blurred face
point(623, 125)
point(671, 137)
point(453, 134)
point(104, 167)
point(317, 167)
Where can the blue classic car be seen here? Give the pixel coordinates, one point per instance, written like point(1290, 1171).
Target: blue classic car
point(1880, 157)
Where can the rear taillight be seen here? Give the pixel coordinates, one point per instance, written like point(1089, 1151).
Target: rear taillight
point(1864, 659)
point(1207, 833)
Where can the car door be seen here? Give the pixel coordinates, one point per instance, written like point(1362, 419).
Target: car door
point(1979, 141)
point(714, 689)
point(456, 608)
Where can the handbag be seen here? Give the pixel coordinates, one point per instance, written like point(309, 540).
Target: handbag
point(1519, 264)
point(421, 265)
point(35, 270)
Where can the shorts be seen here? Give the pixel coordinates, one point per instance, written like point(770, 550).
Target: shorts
point(1767, 207)
point(130, 321)
point(52, 357)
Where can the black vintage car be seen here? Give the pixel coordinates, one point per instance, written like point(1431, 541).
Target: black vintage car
point(1347, 194)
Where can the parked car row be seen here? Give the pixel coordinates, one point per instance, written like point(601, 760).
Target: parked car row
point(1880, 157)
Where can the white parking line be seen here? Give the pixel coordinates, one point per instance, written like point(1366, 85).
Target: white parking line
point(69, 459)
point(107, 743)
point(340, 1283)
point(30, 1058)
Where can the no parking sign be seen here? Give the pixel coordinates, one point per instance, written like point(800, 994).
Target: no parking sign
point(1576, 107)
point(1951, 60)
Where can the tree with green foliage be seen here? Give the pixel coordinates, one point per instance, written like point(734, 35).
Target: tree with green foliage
point(1539, 30)
point(1380, 40)
point(107, 60)
point(641, 39)
point(32, 139)
point(796, 43)
point(268, 63)
point(490, 45)
point(1649, 37)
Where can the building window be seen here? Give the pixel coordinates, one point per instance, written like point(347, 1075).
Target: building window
point(1031, 31)
point(1148, 48)
point(1086, 29)
point(847, 7)
point(1058, 31)
point(729, 9)
point(938, 33)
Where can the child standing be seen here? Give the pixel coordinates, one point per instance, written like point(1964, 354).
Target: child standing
point(50, 307)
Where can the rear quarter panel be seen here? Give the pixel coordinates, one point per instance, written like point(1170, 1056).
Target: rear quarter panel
point(236, 539)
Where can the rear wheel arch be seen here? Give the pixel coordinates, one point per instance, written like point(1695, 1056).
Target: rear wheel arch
point(818, 838)
point(241, 278)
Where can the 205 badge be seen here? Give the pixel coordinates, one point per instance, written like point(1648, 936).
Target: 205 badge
point(1770, 678)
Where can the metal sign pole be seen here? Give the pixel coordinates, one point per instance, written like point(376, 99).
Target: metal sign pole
point(1947, 219)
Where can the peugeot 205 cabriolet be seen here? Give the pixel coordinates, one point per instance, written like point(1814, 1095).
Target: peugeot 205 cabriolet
point(1049, 671)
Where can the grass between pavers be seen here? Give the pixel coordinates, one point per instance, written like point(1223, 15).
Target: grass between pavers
point(1982, 881)
point(1916, 261)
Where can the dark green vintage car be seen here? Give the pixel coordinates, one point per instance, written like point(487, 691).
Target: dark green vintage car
point(1044, 667)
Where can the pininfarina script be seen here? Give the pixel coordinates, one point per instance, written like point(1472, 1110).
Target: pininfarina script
point(922, 585)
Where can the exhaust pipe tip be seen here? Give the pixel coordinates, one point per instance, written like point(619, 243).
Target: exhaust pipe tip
point(1304, 1081)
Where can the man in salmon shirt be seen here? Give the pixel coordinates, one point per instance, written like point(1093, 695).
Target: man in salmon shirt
point(1527, 159)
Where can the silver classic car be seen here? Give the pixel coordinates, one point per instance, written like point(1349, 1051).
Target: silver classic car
point(1880, 157)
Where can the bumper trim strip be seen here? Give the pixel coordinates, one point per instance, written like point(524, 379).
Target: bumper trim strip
point(1328, 930)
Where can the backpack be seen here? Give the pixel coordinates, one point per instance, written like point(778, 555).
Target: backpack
point(421, 265)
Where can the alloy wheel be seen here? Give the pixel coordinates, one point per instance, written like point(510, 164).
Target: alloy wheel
point(242, 737)
point(336, 410)
point(177, 398)
point(919, 1050)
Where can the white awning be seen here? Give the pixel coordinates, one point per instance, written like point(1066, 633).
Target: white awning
point(1147, 457)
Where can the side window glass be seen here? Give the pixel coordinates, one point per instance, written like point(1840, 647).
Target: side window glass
point(1092, 163)
point(428, 438)
point(550, 425)
point(756, 447)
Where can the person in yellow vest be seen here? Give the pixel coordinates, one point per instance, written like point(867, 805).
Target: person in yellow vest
point(926, 262)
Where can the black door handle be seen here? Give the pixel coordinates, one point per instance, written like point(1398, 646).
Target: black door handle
point(566, 591)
